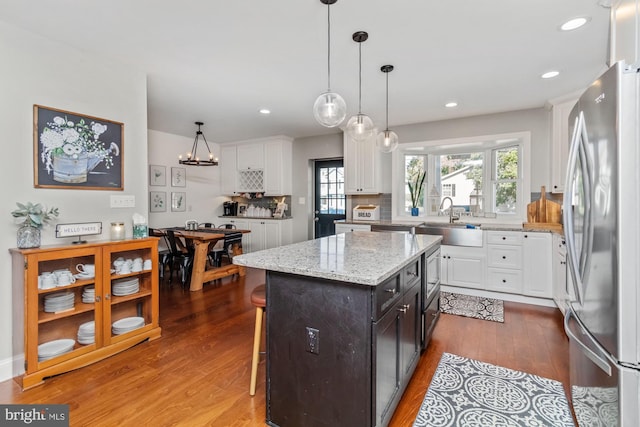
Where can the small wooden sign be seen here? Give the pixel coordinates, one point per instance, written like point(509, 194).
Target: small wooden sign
point(78, 229)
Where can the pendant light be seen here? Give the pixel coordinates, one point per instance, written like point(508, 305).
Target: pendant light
point(329, 108)
point(192, 156)
point(387, 140)
point(360, 126)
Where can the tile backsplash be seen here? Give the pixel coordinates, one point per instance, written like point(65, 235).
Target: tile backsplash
point(383, 200)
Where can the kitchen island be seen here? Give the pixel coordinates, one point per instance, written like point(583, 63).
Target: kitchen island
point(345, 326)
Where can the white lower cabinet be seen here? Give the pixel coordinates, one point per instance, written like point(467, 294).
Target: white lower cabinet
point(537, 271)
point(562, 286)
point(345, 228)
point(463, 266)
point(265, 233)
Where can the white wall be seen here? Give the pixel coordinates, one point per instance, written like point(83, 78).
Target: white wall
point(39, 71)
point(203, 200)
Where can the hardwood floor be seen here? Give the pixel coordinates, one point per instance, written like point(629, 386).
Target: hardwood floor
point(197, 374)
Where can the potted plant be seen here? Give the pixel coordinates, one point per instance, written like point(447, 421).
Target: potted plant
point(32, 217)
point(415, 191)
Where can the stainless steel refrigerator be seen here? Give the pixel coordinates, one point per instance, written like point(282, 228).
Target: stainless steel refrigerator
point(601, 216)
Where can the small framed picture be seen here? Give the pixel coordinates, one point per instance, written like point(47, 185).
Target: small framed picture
point(157, 175)
point(157, 201)
point(178, 201)
point(178, 177)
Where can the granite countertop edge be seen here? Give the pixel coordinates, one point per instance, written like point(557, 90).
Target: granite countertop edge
point(280, 259)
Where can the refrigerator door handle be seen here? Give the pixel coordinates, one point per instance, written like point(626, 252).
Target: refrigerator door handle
point(568, 206)
point(602, 363)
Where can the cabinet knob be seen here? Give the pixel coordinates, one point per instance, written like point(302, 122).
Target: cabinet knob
point(107, 296)
point(504, 257)
point(504, 238)
point(98, 299)
point(526, 235)
point(411, 273)
point(403, 308)
point(392, 291)
point(504, 280)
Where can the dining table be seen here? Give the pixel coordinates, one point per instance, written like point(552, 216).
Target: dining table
point(202, 239)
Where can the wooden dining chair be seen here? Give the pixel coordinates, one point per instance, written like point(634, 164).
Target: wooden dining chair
point(207, 225)
point(228, 226)
point(184, 259)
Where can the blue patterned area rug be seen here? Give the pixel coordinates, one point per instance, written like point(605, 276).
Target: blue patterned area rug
point(468, 393)
point(471, 306)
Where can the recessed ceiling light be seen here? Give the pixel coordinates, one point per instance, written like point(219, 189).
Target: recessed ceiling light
point(265, 111)
point(451, 104)
point(574, 23)
point(550, 74)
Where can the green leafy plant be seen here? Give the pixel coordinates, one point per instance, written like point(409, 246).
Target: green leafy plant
point(416, 189)
point(34, 215)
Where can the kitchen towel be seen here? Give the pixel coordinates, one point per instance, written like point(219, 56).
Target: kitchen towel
point(467, 392)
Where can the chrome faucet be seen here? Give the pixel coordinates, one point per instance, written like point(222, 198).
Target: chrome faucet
point(451, 219)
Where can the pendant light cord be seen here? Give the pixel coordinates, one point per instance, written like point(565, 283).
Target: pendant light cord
point(328, 48)
point(360, 78)
point(387, 100)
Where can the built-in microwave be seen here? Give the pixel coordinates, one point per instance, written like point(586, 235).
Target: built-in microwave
point(432, 273)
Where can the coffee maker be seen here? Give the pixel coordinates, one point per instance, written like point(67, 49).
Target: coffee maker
point(230, 208)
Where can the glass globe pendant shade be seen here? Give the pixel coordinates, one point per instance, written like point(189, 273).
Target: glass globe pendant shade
point(360, 127)
point(329, 109)
point(387, 141)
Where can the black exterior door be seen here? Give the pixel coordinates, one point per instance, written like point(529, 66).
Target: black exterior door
point(330, 201)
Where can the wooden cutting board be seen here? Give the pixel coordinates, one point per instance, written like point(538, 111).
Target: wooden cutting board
point(544, 214)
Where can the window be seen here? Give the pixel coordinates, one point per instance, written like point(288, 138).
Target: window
point(332, 198)
point(479, 175)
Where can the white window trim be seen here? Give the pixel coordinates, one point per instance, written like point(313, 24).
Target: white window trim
point(474, 143)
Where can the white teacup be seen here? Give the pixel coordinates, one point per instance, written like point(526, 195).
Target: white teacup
point(147, 264)
point(86, 269)
point(66, 278)
point(47, 280)
point(123, 269)
point(118, 262)
point(136, 267)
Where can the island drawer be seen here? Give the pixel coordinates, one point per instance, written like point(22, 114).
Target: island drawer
point(386, 294)
point(412, 273)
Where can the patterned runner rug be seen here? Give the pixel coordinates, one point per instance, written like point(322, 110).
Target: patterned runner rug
point(469, 393)
point(471, 306)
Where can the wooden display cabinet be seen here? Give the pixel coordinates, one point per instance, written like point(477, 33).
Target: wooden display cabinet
point(34, 326)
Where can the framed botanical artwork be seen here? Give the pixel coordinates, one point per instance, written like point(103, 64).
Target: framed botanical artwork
point(157, 175)
point(178, 177)
point(157, 201)
point(76, 151)
point(178, 202)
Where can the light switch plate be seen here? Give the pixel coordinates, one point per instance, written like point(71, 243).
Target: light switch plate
point(123, 201)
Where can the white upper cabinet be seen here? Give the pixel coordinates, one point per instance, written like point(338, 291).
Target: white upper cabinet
point(228, 169)
point(251, 156)
point(362, 166)
point(560, 140)
point(257, 166)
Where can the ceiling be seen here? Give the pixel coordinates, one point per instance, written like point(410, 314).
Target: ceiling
point(220, 62)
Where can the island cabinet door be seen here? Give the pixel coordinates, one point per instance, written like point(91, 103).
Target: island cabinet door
point(319, 352)
point(387, 366)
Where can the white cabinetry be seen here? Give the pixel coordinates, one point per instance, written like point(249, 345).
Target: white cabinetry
point(250, 156)
point(362, 166)
point(263, 166)
point(463, 266)
point(228, 169)
point(345, 228)
point(537, 277)
point(504, 255)
point(562, 288)
point(265, 233)
point(560, 140)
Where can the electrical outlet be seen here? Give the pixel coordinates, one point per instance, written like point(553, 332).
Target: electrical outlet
point(123, 201)
point(313, 340)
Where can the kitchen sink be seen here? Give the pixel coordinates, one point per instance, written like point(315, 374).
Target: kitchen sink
point(453, 234)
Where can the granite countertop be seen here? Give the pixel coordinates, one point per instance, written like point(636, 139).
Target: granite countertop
point(254, 217)
point(361, 257)
point(482, 223)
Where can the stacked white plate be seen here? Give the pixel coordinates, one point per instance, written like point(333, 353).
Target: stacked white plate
point(127, 324)
point(125, 287)
point(88, 294)
point(55, 348)
point(58, 301)
point(87, 333)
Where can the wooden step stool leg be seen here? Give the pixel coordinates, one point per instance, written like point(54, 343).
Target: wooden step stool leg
point(257, 337)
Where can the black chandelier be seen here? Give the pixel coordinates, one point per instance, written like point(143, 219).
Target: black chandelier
point(192, 157)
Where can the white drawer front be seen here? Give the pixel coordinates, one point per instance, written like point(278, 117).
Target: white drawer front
point(502, 280)
point(504, 237)
point(505, 256)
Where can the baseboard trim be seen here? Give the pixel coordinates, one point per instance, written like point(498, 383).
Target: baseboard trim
point(9, 366)
point(500, 295)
